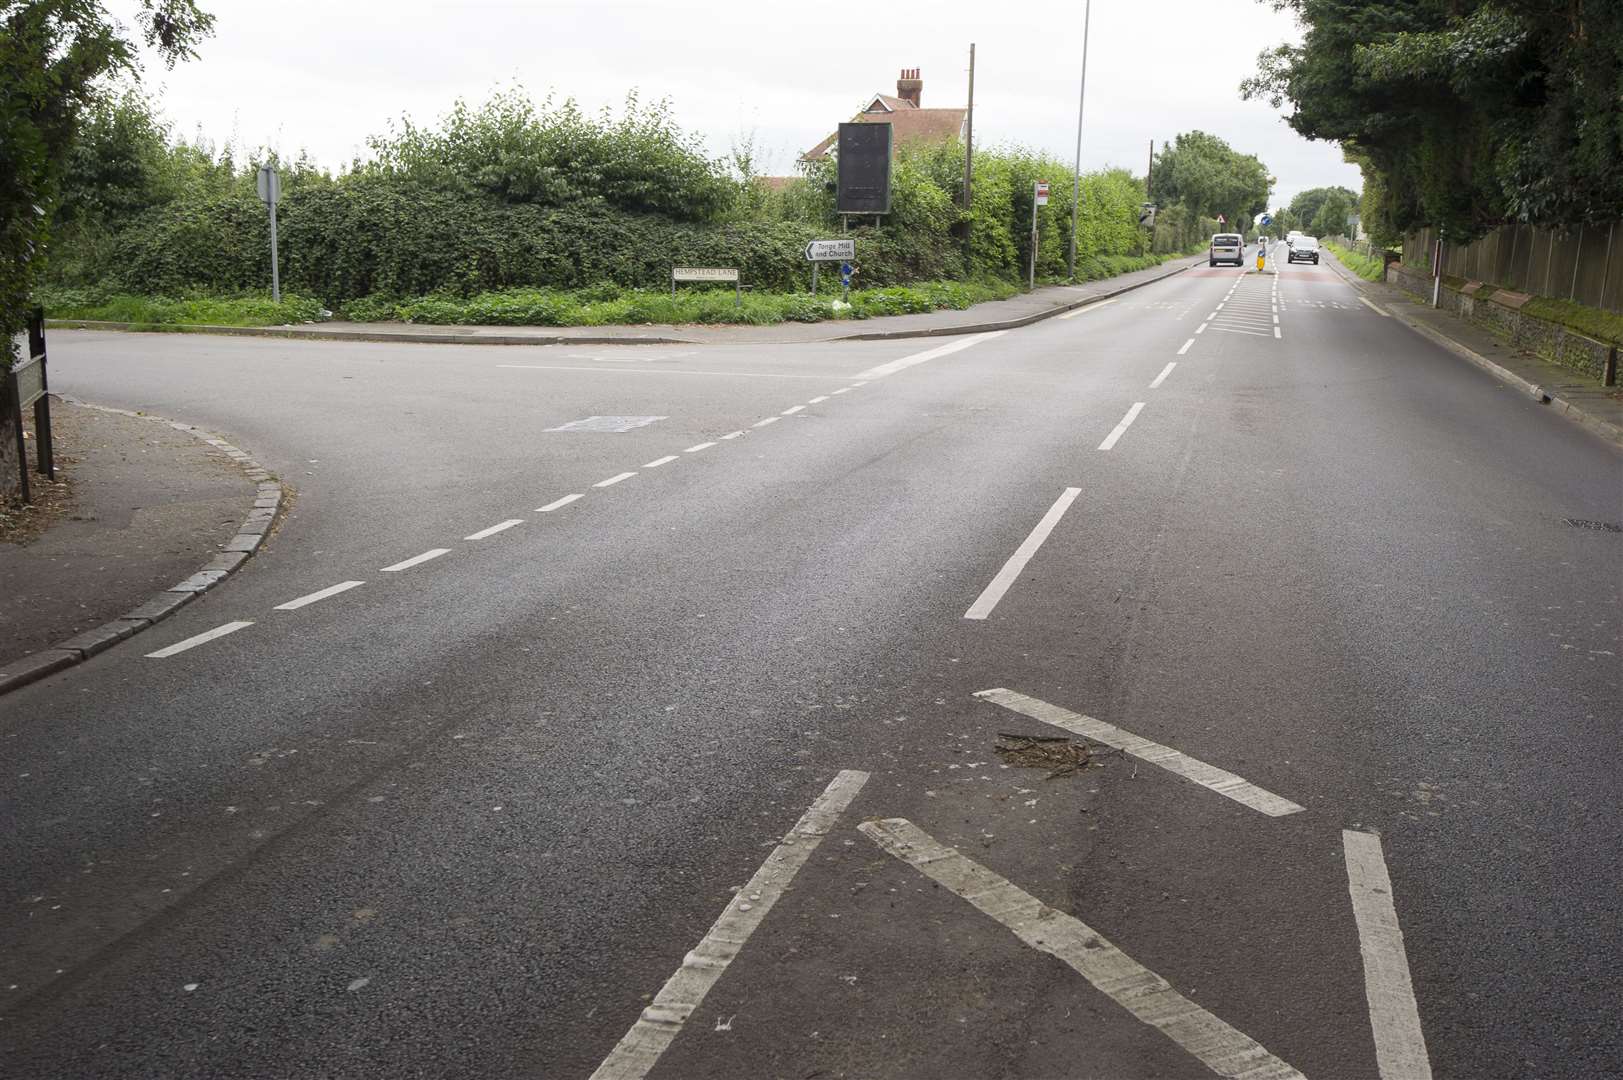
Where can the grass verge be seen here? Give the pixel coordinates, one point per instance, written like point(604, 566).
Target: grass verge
point(242, 310)
point(1370, 268)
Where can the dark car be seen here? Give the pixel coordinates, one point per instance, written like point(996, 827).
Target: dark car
point(1306, 249)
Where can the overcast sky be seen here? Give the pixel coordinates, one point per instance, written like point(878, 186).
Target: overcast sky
point(295, 74)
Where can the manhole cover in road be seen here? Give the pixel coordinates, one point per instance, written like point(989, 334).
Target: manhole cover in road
point(1585, 523)
point(607, 423)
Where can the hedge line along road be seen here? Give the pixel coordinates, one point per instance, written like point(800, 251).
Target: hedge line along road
point(1208, 683)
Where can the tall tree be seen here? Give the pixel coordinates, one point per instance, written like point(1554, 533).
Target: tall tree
point(1462, 113)
point(1210, 177)
point(55, 60)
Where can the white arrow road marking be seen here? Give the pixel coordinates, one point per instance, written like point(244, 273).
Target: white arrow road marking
point(1221, 1048)
point(929, 354)
point(989, 597)
point(319, 594)
point(1400, 1046)
point(1219, 780)
point(662, 1021)
point(194, 642)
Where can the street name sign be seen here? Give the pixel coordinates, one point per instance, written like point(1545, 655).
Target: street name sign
point(704, 273)
point(831, 250)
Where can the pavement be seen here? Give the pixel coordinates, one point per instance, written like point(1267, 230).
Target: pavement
point(149, 506)
point(1017, 311)
point(630, 711)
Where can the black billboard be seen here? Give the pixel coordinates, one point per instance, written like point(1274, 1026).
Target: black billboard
point(864, 159)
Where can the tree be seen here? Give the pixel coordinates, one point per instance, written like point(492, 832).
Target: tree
point(1208, 176)
point(1461, 113)
point(1305, 210)
point(55, 59)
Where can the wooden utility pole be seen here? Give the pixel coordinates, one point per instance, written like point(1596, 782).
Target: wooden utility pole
point(969, 131)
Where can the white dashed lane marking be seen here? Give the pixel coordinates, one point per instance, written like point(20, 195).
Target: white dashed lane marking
point(700, 446)
point(494, 529)
point(611, 481)
point(989, 597)
point(639, 1050)
point(1223, 1049)
point(791, 410)
point(200, 639)
point(1161, 378)
point(768, 420)
point(1121, 428)
point(1186, 345)
point(558, 504)
point(416, 560)
point(657, 462)
point(319, 594)
point(1400, 1045)
point(1221, 781)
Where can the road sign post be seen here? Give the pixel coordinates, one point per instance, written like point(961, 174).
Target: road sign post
point(27, 384)
point(1039, 197)
point(270, 193)
point(822, 251)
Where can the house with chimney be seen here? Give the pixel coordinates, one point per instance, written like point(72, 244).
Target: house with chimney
point(912, 125)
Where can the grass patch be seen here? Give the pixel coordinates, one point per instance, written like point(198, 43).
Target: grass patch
point(610, 305)
point(1368, 267)
point(244, 310)
point(1602, 325)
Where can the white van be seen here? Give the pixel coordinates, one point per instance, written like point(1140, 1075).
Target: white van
point(1227, 247)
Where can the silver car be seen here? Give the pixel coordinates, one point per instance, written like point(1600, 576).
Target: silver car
point(1228, 247)
point(1306, 249)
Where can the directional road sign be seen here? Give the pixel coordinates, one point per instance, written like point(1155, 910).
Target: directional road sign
point(831, 250)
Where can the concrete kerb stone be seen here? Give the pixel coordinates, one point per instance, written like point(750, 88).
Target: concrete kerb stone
point(1604, 428)
point(268, 503)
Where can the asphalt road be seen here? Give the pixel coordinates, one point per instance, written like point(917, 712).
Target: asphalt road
point(467, 818)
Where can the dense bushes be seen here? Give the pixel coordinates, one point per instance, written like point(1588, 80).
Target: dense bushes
point(515, 200)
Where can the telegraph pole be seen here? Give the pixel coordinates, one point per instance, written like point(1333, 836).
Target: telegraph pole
point(1082, 97)
point(969, 151)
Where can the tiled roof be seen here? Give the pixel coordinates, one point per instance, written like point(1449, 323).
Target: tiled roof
point(909, 127)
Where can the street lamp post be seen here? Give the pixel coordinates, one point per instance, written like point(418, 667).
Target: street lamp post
point(1082, 97)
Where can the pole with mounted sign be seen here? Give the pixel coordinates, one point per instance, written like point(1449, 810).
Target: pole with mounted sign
point(1039, 197)
point(822, 251)
point(26, 385)
point(270, 193)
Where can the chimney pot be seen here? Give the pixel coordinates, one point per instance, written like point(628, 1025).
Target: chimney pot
point(910, 87)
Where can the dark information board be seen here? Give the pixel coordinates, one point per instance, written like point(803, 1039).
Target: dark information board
point(864, 169)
